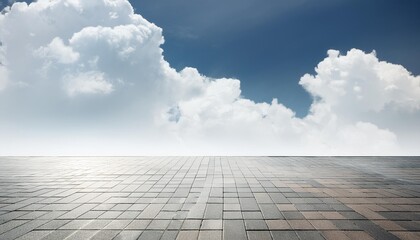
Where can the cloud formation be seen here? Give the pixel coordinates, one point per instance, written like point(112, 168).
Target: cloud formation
point(89, 77)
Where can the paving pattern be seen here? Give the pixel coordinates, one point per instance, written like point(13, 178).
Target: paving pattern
point(209, 198)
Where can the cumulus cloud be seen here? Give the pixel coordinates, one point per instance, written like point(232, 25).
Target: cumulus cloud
point(59, 52)
point(88, 83)
point(361, 82)
point(89, 77)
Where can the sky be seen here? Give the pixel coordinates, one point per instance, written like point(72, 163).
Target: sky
point(210, 77)
point(224, 38)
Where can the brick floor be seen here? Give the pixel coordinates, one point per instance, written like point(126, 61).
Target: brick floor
point(209, 198)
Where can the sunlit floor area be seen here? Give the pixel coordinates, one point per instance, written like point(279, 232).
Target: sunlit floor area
point(209, 198)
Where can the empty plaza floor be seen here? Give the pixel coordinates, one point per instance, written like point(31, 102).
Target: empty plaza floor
point(209, 198)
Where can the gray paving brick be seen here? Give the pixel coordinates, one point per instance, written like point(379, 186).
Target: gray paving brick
point(270, 211)
point(191, 224)
point(151, 211)
point(82, 234)
point(77, 211)
point(75, 224)
point(280, 235)
point(210, 198)
point(214, 211)
point(58, 234)
point(159, 224)
point(151, 235)
point(34, 235)
point(118, 224)
point(10, 225)
point(374, 230)
point(128, 235)
point(210, 235)
point(255, 225)
point(262, 198)
point(187, 235)
point(310, 235)
point(252, 215)
point(234, 230)
point(169, 235)
point(259, 235)
point(22, 229)
point(138, 224)
point(248, 204)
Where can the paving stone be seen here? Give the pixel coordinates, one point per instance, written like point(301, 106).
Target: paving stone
point(158, 224)
point(34, 235)
point(248, 204)
point(151, 235)
point(118, 224)
point(128, 215)
point(212, 224)
point(94, 224)
point(300, 224)
point(128, 235)
point(278, 224)
point(210, 235)
point(286, 207)
point(169, 235)
point(333, 235)
point(175, 224)
point(105, 234)
point(75, 224)
point(252, 215)
point(259, 235)
point(91, 214)
point(293, 215)
point(278, 198)
point(410, 225)
point(214, 211)
point(270, 211)
point(255, 225)
point(407, 235)
point(58, 234)
point(210, 198)
point(262, 198)
point(138, 224)
point(82, 234)
point(310, 235)
point(110, 215)
point(22, 229)
point(191, 225)
point(345, 225)
point(232, 215)
point(234, 230)
point(357, 235)
point(323, 224)
point(280, 235)
point(10, 225)
point(231, 207)
point(187, 235)
point(374, 230)
point(151, 211)
point(77, 211)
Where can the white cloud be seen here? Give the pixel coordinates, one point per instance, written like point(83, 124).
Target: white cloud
point(3, 76)
point(86, 83)
point(57, 51)
point(361, 83)
point(94, 75)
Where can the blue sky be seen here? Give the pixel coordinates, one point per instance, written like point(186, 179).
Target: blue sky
point(270, 44)
point(233, 77)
